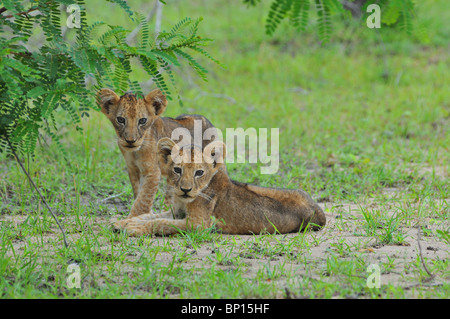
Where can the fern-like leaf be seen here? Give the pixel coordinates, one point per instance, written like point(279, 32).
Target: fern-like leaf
point(324, 23)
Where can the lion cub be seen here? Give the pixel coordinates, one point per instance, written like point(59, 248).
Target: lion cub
point(204, 191)
point(139, 126)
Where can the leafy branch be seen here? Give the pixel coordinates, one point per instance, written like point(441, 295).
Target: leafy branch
point(38, 83)
point(399, 13)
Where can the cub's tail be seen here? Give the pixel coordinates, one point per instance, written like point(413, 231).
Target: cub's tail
point(318, 220)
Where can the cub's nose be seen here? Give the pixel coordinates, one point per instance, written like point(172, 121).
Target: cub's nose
point(185, 190)
point(130, 142)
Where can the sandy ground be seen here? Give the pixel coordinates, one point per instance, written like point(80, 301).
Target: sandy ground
point(343, 237)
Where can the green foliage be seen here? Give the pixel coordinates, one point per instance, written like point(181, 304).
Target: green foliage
point(36, 83)
point(399, 13)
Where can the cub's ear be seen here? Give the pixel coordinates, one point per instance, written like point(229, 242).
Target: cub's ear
point(108, 101)
point(215, 153)
point(165, 147)
point(156, 102)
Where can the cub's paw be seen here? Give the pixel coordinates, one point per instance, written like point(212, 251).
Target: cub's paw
point(120, 224)
point(137, 228)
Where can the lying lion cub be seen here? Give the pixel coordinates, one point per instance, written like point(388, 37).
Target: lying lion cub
point(139, 126)
point(206, 193)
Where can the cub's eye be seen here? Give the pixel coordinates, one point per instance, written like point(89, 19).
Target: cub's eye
point(199, 173)
point(120, 120)
point(142, 121)
point(177, 170)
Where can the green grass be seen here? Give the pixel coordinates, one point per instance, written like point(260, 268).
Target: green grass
point(363, 129)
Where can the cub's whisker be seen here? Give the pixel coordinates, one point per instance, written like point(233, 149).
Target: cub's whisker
point(208, 198)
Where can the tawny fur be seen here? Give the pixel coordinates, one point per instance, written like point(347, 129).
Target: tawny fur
point(237, 208)
point(141, 155)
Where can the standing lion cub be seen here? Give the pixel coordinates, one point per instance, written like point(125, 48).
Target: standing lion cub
point(139, 126)
point(204, 192)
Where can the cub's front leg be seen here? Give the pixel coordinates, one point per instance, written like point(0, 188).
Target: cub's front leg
point(133, 174)
point(133, 171)
point(199, 216)
point(121, 224)
point(146, 194)
point(142, 219)
point(159, 226)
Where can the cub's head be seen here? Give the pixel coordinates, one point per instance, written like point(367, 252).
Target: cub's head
point(130, 115)
point(188, 169)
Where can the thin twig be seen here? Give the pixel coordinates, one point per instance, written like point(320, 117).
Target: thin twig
point(111, 197)
point(420, 253)
point(37, 190)
point(420, 247)
point(436, 284)
point(20, 13)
